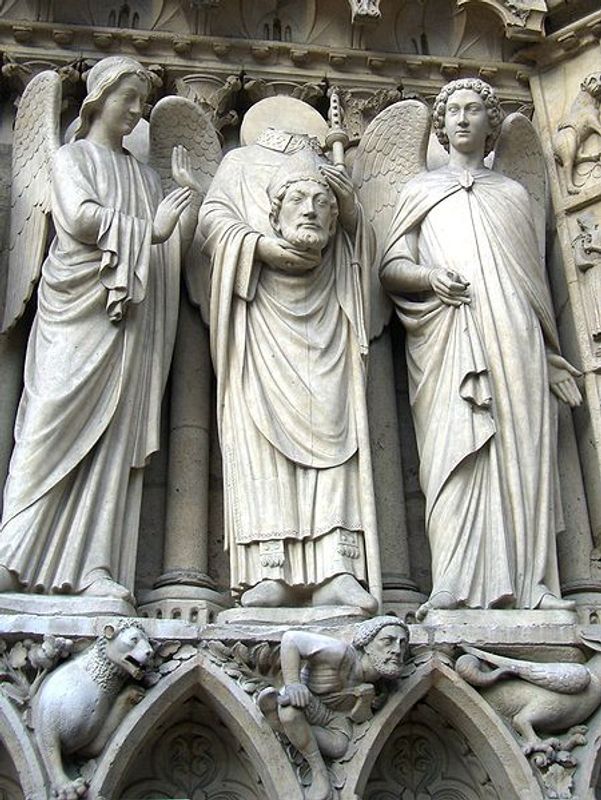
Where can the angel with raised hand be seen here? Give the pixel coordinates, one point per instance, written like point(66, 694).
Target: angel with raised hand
point(101, 342)
point(464, 264)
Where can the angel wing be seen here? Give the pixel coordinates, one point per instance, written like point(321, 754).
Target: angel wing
point(563, 677)
point(35, 141)
point(519, 155)
point(392, 150)
point(176, 120)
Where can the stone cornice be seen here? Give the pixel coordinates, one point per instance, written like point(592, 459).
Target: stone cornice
point(179, 55)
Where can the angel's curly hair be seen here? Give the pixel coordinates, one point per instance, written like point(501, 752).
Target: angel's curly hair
point(101, 80)
point(489, 98)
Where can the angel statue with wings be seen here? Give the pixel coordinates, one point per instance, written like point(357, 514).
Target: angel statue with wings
point(101, 342)
point(464, 263)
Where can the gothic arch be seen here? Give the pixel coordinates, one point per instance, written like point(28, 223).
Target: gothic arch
point(19, 747)
point(461, 705)
point(228, 700)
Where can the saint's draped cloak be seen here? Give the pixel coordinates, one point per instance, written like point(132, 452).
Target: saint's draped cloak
point(484, 415)
point(289, 354)
point(95, 372)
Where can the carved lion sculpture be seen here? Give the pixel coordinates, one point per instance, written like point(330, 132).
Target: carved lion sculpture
point(582, 121)
point(82, 702)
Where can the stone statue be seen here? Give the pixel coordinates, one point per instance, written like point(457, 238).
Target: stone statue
point(464, 262)
point(536, 697)
point(100, 346)
point(572, 132)
point(290, 259)
point(328, 685)
point(81, 703)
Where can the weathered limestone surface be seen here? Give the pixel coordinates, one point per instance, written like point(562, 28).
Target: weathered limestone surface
point(489, 704)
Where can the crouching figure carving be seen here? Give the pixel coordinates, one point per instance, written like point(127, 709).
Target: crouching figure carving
point(328, 686)
point(538, 698)
point(81, 703)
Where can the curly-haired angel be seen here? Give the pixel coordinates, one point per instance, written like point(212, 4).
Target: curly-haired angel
point(101, 342)
point(464, 263)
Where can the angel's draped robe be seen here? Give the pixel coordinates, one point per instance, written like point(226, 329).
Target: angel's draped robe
point(291, 405)
point(95, 371)
point(484, 416)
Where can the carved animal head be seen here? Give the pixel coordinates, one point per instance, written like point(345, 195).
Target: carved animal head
point(592, 85)
point(126, 645)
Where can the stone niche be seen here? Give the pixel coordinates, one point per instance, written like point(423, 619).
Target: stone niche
point(191, 753)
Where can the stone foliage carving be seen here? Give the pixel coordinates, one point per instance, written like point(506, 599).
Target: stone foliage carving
point(483, 369)
point(80, 704)
point(291, 259)
point(90, 411)
point(24, 665)
point(365, 11)
point(573, 133)
point(328, 689)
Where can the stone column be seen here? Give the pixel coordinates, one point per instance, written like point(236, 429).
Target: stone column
point(185, 589)
point(399, 591)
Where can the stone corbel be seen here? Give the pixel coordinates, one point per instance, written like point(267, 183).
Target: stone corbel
point(523, 19)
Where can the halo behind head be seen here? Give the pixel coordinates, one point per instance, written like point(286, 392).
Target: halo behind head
point(284, 113)
point(489, 98)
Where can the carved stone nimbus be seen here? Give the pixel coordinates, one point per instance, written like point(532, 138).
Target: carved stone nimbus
point(328, 688)
point(317, 544)
point(574, 131)
point(81, 703)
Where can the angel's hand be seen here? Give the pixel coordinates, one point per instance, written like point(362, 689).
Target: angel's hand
point(168, 213)
point(181, 169)
point(562, 380)
point(281, 255)
point(342, 186)
point(450, 287)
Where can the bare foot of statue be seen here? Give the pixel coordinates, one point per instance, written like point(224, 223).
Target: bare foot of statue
point(440, 600)
point(344, 590)
point(107, 587)
point(550, 602)
point(267, 594)
point(8, 581)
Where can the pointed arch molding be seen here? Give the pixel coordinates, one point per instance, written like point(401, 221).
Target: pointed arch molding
point(235, 708)
point(523, 19)
point(21, 750)
point(463, 707)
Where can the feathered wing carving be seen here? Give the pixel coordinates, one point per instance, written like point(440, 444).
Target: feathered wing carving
point(392, 150)
point(176, 120)
point(562, 677)
point(519, 155)
point(35, 141)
